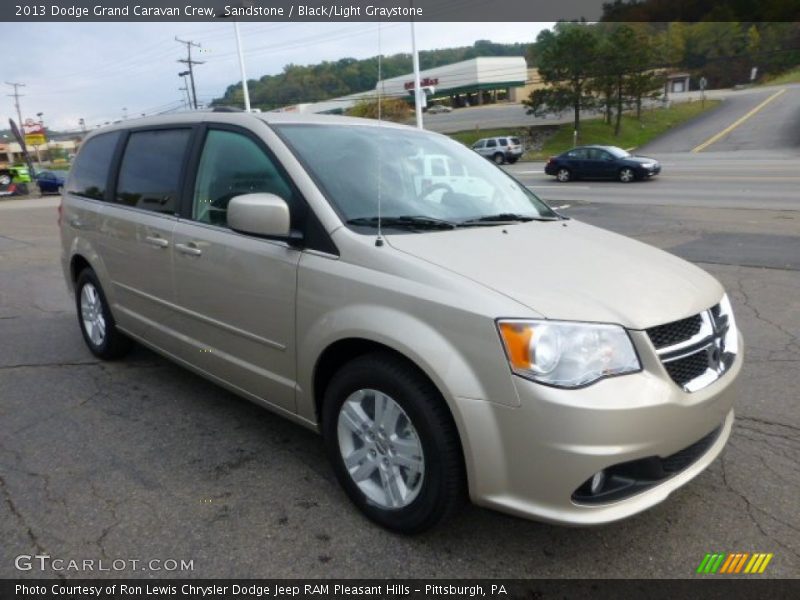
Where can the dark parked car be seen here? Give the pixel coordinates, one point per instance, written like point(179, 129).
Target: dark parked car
point(601, 162)
point(49, 182)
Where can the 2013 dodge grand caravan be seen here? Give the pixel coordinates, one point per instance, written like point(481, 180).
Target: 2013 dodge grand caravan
point(443, 338)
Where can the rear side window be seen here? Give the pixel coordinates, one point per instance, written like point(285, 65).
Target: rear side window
point(503, 142)
point(89, 173)
point(150, 172)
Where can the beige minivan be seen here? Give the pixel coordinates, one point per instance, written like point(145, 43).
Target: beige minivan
point(446, 339)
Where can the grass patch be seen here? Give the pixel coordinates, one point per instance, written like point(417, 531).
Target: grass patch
point(633, 132)
point(550, 140)
point(792, 76)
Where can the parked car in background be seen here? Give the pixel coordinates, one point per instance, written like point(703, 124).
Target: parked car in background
point(14, 180)
point(439, 108)
point(601, 162)
point(499, 149)
point(49, 182)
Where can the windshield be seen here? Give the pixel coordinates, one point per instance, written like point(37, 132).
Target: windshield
point(617, 152)
point(415, 174)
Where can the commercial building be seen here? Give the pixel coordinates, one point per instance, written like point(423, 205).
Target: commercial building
point(467, 83)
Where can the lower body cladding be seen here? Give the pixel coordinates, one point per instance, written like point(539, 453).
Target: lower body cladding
point(593, 455)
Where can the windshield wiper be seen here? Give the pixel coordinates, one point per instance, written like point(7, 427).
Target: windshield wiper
point(409, 221)
point(503, 218)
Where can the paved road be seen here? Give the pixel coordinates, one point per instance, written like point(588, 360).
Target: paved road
point(775, 125)
point(513, 115)
point(755, 179)
point(140, 459)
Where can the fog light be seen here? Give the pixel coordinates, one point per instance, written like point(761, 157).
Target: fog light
point(598, 479)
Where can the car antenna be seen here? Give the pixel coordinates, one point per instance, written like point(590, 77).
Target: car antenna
point(379, 239)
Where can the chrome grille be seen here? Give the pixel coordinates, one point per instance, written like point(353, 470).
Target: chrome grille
point(697, 350)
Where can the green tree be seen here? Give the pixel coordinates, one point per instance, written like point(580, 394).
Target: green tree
point(566, 63)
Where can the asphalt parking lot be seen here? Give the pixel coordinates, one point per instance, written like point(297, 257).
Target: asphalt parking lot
point(141, 460)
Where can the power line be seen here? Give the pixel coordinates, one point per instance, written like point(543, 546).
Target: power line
point(188, 61)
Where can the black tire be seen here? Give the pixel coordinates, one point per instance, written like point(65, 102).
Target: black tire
point(443, 486)
point(511, 161)
point(626, 175)
point(498, 158)
point(114, 343)
point(563, 175)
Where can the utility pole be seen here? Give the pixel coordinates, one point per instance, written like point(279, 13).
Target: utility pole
point(16, 96)
point(188, 61)
point(186, 100)
point(185, 88)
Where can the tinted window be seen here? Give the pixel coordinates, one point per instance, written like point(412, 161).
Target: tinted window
point(491, 143)
point(514, 141)
point(480, 144)
point(90, 169)
point(579, 153)
point(231, 165)
point(149, 176)
point(503, 142)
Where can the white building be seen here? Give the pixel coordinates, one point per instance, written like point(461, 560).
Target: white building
point(466, 83)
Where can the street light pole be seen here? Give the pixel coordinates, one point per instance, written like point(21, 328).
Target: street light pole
point(417, 90)
point(245, 89)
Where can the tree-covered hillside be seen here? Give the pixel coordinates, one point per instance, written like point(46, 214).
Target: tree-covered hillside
point(329, 79)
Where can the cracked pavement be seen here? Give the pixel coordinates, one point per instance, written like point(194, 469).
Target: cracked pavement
point(140, 459)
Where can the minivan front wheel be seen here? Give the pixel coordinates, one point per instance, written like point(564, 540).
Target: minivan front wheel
point(97, 325)
point(499, 159)
point(393, 443)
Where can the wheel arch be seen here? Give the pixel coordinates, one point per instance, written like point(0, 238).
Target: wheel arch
point(342, 351)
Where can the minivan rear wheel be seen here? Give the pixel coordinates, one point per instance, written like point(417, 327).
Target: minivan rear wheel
point(393, 443)
point(96, 322)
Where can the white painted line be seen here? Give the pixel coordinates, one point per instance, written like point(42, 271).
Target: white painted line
point(560, 186)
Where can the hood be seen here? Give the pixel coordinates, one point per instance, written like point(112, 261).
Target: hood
point(641, 159)
point(572, 271)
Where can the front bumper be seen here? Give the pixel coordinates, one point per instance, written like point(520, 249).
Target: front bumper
point(530, 460)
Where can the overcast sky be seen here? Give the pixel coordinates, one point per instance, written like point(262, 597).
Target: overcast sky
point(93, 70)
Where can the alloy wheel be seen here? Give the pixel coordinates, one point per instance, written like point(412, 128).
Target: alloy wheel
point(94, 323)
point(380, 448)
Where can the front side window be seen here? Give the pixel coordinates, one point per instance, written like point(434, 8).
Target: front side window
point(491, 144)
point(89, 173)
point(231, 165)
point(355, 165)
point(150, 172)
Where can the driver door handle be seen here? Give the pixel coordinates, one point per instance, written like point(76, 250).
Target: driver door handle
point(156, 241)
point(191, 249)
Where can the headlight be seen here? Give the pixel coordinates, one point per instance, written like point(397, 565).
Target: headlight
point(565, 353)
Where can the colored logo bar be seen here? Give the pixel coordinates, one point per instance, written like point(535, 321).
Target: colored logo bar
point(734, 563)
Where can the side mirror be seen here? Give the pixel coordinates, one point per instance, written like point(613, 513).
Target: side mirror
point(265, 215)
